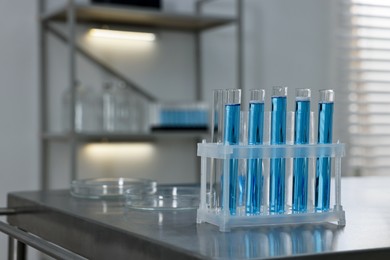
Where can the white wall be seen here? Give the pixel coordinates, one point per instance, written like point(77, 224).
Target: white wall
point(294, 44)
point(19, 96)
point(287, 43)
point(18, 100)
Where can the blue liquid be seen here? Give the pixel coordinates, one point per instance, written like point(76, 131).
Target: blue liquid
point(323, 173)
point(300, 175)
point(255, 175)
point(231, 136)
point(277, 166)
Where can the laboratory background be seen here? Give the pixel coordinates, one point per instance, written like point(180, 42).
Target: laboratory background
point(164, 83)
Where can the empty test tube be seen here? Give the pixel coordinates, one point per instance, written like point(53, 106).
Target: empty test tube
point(301, 136)
point(254, 184)
point(278, 136)
point(217, 116)
point(231, 137)
point(215, 181)
point(323, 171)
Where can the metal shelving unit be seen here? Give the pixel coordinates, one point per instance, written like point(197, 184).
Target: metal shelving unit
point(73, 14)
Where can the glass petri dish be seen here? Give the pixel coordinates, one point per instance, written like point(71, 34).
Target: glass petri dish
point(106, 188)
point(164, 198)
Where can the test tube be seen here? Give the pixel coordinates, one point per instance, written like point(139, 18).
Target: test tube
point(254, 184)
point(216, 127)
point(231, 137)
point(301, 136)
point(217, 116)
point(323, 173)
point(278, 136)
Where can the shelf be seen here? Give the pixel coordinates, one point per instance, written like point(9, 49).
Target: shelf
point(126, 137)
point(115, 15)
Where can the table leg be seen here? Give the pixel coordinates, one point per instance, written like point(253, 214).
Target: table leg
point(11, 248)
point(20, 250)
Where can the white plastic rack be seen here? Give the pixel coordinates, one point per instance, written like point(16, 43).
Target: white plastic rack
point(215, 210)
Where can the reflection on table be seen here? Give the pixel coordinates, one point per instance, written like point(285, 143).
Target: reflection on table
point(269, 241)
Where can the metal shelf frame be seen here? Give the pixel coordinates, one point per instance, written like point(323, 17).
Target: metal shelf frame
point(71, 15)
point(125, 137)
point(121, 15)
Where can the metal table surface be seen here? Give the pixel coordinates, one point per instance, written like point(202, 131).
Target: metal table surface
point(107, 230)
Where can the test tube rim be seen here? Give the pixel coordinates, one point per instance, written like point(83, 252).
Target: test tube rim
point(232, 96)
point(257, 98)
point(326, 95)
point(300, 96)
point(282, 91)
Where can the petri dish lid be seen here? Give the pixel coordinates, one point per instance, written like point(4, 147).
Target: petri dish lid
point(106, 188)
point(172, 197)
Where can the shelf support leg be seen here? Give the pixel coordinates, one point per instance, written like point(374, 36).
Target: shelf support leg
point(240, 46)
point(11, 248)
point(72, 84)
point(20, 250)
point(43, 149)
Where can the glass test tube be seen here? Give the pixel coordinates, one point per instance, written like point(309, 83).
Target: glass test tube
point(216, 127)
point(231, 137)
point(301, 136)
point(323, 172)
point(217, 116)
point(254, 184)
point(278, 136)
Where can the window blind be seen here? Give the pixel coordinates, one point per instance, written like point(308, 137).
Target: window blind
point(366, 35)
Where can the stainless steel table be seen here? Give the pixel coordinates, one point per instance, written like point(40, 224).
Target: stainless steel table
point(107, 230)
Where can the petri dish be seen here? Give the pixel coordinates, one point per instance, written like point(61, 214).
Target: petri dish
point(106, 188)
point(164, 198)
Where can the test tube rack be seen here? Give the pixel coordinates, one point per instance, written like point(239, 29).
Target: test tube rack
point(216, 211)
